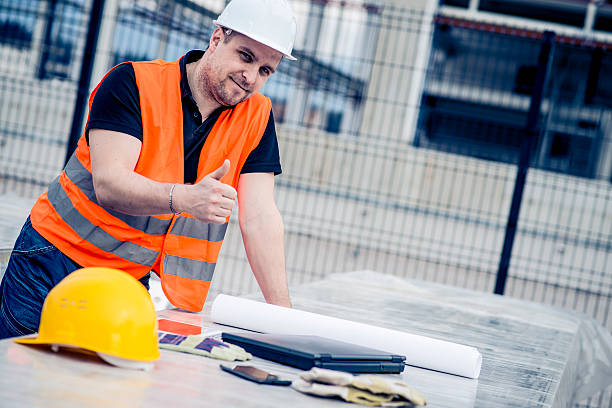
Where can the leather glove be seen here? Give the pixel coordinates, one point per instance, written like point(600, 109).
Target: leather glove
point(370, 390)
point(203, 346)
point(348, 394)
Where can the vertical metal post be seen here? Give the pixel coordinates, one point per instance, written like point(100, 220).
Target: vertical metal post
point(473, 6)
point(529, 138)
point(95, 19)
point(47, 41)
point(591, 14)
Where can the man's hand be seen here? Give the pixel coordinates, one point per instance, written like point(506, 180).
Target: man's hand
point(113, 158)
point(210, 200)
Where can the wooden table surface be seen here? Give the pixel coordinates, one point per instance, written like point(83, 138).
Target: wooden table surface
point(533, 355)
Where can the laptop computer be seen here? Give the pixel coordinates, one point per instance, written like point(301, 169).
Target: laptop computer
point(305, 352)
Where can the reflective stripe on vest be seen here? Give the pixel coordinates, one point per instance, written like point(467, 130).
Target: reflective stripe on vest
point(96, 235)
point(193, 228)
point(80, 176)
point(188, 268)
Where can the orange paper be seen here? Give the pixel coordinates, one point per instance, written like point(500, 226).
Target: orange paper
point(172, 326)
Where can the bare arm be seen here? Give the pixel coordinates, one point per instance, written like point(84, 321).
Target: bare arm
point(263, 235)
point(113, 158)
point(117, 186)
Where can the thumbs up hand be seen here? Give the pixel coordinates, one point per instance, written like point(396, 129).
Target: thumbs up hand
point(210, 200)
point(221, 171)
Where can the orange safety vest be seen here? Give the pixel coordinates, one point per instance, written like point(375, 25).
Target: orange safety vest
point(180, 248)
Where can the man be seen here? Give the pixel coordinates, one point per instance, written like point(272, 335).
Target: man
point(167, 149)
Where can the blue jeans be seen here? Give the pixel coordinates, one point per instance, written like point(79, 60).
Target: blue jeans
point(34, 268)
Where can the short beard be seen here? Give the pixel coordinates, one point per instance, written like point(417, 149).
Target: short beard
point(217, 90)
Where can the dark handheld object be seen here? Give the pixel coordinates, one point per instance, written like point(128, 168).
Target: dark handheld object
point(254, 374)
point(305, 352)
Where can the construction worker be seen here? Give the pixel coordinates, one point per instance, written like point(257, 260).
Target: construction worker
point(168, 148)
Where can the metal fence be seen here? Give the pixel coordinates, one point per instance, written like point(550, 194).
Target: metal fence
point(413, 143)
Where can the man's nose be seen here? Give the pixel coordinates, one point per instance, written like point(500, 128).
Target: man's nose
point(250, 75)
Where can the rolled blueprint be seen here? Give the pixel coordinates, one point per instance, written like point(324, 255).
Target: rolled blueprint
point(420, 351)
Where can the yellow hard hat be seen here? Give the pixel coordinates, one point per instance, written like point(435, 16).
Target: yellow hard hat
point(103, 310)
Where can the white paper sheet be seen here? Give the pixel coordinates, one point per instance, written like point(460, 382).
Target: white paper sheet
point(420, 351)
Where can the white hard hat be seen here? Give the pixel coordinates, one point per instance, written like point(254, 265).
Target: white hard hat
point(270, 22)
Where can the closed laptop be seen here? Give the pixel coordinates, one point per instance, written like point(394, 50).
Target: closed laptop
point(305, 352)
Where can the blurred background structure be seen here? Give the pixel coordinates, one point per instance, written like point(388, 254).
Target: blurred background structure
point(467, 142)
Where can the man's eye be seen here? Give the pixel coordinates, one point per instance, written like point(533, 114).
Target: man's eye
point(245, 57)
point(265, 71)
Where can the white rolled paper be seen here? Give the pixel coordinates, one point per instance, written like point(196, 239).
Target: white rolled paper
point(420, 351)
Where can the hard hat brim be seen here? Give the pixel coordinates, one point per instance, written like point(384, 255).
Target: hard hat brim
point(35, 340)
point(259, 40)
point(30, 340)
point(126, 363)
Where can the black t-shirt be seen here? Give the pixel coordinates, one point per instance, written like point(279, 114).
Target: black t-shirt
point(116, 106)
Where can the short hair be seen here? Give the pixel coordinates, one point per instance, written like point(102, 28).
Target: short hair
point(229, 33)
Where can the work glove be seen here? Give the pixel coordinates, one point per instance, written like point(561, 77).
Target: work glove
point(203, 346)
point(368, 390)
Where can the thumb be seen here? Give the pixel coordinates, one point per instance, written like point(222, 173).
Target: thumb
point(221, 171)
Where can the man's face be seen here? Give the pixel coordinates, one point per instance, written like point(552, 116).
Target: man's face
point(235, 69)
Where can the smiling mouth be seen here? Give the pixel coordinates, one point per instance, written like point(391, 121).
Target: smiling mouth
point(240, 86)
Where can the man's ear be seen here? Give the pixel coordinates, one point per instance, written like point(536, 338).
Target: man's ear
point(217, 36)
